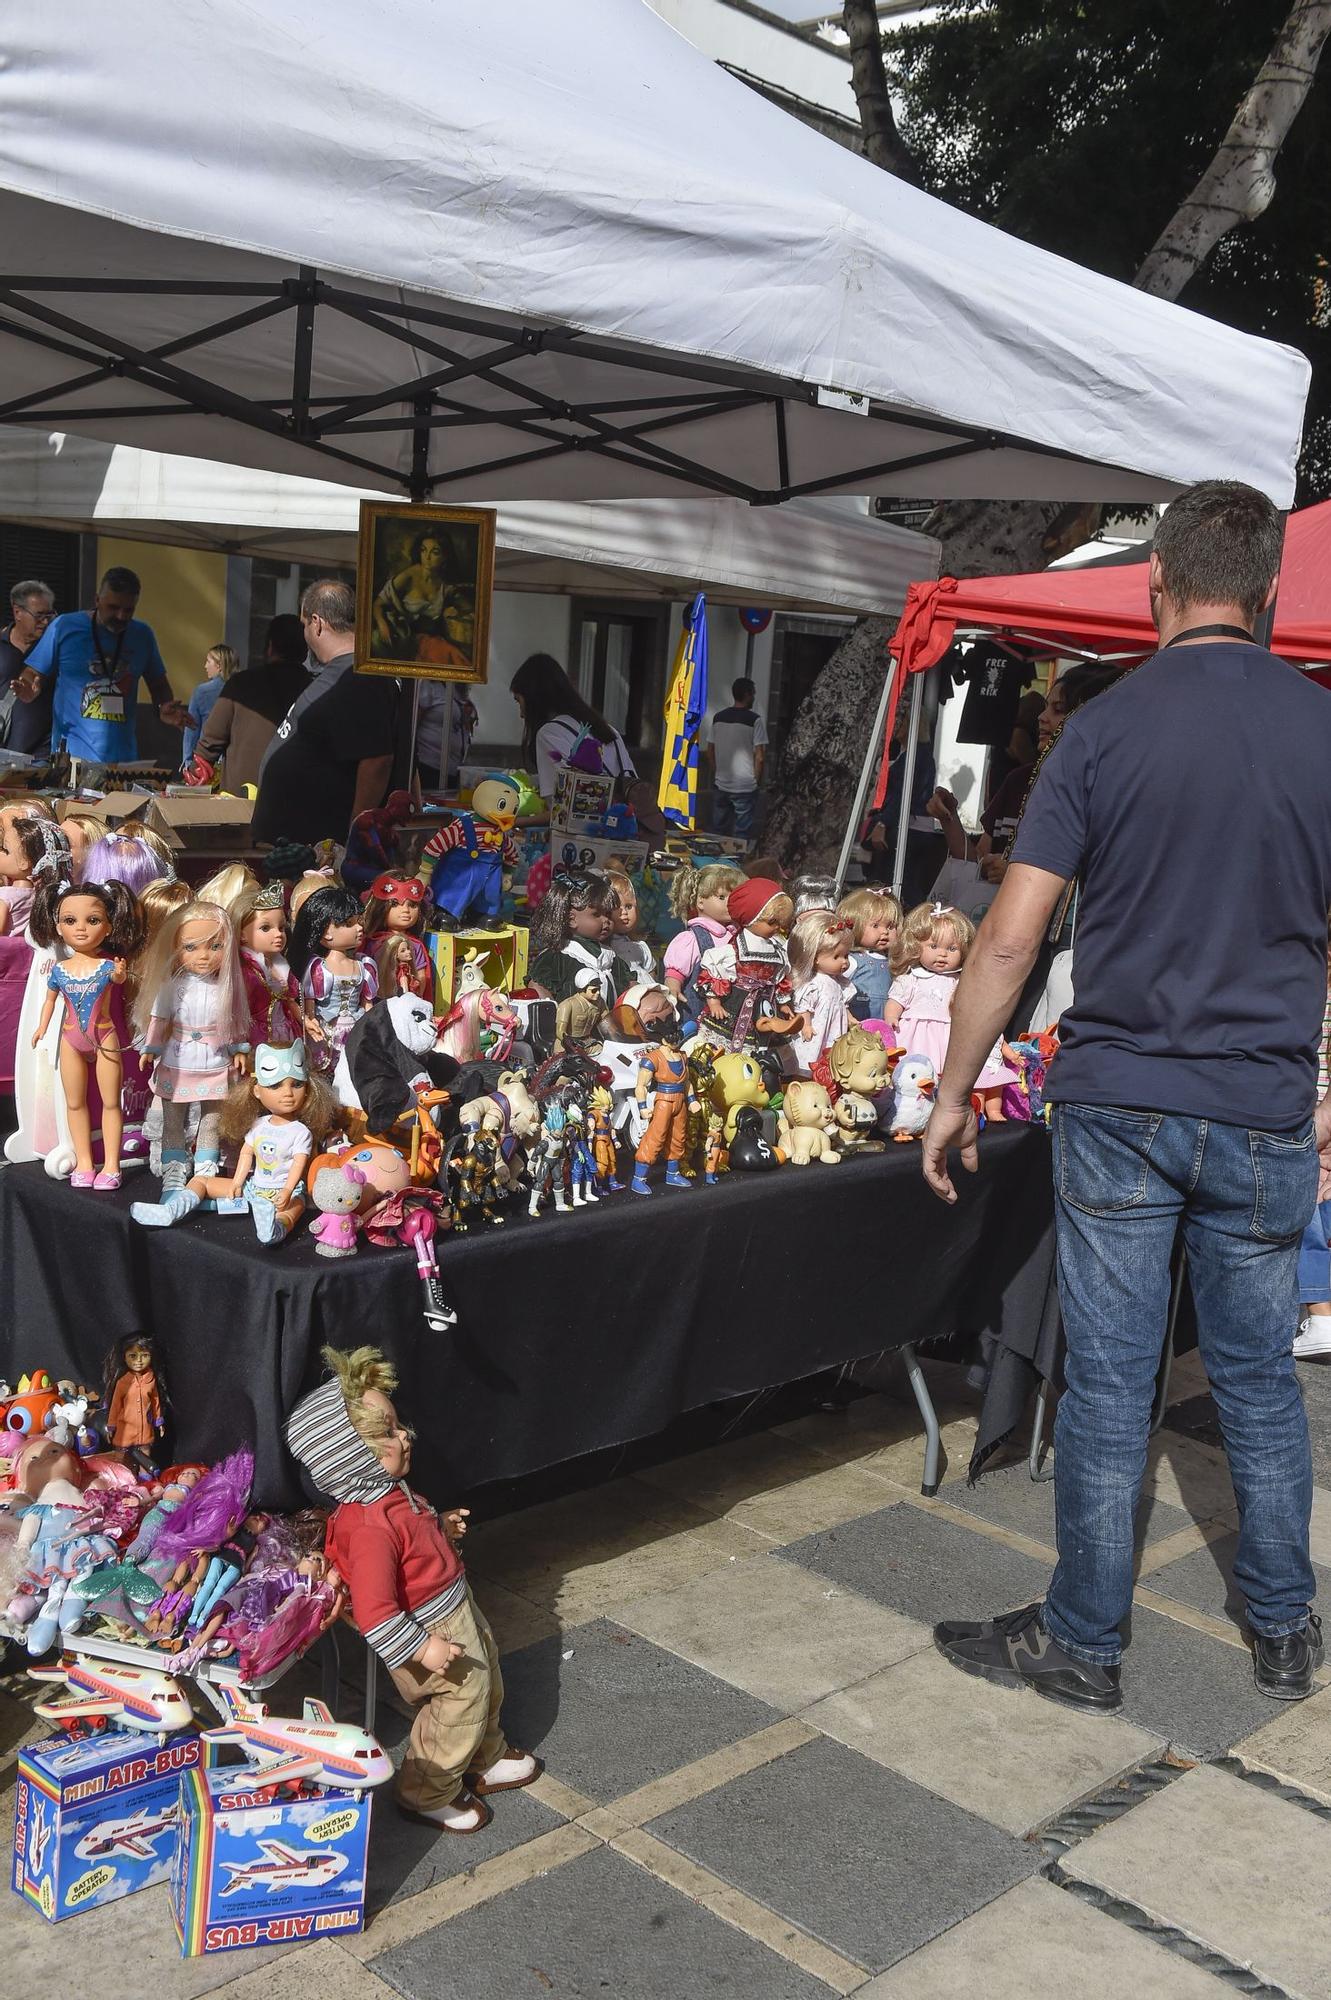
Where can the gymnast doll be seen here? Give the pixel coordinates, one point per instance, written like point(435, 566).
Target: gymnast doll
point(100, 926)
point(191, 1013)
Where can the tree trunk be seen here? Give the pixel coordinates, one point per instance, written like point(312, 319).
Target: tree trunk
point(821, 759)
point(1241, 179)
point(883, 143)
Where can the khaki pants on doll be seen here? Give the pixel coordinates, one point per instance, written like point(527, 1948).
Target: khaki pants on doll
point(456, 1729)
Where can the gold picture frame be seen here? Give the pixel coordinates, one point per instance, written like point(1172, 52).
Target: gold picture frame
point(423, 615)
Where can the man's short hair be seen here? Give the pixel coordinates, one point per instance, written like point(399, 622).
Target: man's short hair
point(33, 587)
point(1219, 543)
point(742, 690)
point(122, 581)
point(331, 600)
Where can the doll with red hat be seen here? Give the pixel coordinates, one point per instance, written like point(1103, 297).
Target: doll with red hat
point(745, 981)
point(394, 920)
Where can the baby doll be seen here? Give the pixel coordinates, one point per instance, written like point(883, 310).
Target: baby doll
point(33, 849)
point(101, 928)
point(279, 1117)
point(813, 892)
point(927, 961)
point(191, 1014)
point(699, 897)
point(394, 920)
point(745, 982)
point(875, 917)
point(409, 1595)
point(819, 957)
point(135, 1399)
point(271, 992)
point(637, 959)
point(571, 936)
point(338, 979)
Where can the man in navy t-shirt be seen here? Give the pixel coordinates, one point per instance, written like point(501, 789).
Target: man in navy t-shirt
point(1193, 802)
point(98, 658)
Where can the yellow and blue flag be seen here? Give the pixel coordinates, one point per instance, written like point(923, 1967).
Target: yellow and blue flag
point(685, 707)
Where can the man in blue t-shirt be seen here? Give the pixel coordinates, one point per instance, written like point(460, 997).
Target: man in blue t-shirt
point(1193, 803)
point(98, 658)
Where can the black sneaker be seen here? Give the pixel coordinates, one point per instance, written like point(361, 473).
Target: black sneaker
point(1284, 1668)
point(1016, 1651)
point(439, 1315)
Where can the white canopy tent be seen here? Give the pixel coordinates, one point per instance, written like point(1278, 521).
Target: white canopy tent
point(812, 555)
point(553, 252)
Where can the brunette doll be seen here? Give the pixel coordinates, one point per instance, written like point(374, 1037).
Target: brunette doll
point(100, 926)
point(135, 1400)
point(394, 920)
point(338, 980)
point(271, 989)
point(571, 936)
point(191, 1013)
point(279, 1118)
point(31, 847)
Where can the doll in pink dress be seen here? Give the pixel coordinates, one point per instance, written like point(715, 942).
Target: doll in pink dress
point(927, 960)
point(193, 1018)
point(338, 978)
point(271, 990)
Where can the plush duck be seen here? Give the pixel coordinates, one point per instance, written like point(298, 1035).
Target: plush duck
point(913, 1084)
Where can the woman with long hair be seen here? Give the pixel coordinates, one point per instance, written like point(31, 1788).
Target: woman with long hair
point(554, 718)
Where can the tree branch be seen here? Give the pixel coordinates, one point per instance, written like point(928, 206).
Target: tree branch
point(883, 144)
point(1240, 180)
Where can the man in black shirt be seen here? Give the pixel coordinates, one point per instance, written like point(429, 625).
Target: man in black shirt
point(333, 756)
point(32, 607)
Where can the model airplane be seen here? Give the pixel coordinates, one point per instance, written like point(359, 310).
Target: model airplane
point(39, 1836)
point(100, 1693)
point(135, 1837)
point(280, 1748)
point(284, 1868)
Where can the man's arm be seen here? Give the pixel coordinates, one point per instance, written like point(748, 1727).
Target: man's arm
point(372, 775)
point(759, 760)
point(1005, 949)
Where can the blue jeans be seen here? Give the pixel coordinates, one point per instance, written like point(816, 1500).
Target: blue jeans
point(1125, 1182)
point(1315, 1258)
point(732, 812)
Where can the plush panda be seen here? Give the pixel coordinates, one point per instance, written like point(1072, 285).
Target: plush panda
point(389, 1055)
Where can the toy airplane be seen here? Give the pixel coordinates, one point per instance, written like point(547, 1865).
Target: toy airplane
point(284, 1869)
point(39, 1837)
point(135, 1837)
point(281, 1748)
point(100, 1692)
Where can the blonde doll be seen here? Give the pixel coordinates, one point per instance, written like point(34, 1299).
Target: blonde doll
point(634, 953)
point(875, 918)
point(699, 897)
point(927, 961)
point(193, 1018)
point(819, 950)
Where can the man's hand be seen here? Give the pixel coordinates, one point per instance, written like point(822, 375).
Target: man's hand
point(28, 684)
point(1322, 1123)
point(993, 868)
point(948, 1128)
point(878, 836)
point(174, 714)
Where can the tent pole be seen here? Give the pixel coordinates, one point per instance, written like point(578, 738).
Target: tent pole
point(872, 752)
point(908, 780)
point(446, 747)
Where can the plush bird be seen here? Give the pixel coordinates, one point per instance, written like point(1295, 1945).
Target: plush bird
point(913, 1084)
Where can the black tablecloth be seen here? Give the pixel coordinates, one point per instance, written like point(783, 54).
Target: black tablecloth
point(576, 1331)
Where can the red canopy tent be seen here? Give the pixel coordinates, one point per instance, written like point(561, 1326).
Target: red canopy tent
point(1103, 610)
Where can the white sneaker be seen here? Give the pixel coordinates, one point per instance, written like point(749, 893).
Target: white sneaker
point(508, 1774)
point(1313, 1339)
point(463, 1814)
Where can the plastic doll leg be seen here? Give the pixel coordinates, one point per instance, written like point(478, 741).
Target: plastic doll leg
point(175, 1145)
point(220, 1578)
point(418, 1231)
point(175, 1205)
point(74, 1079)
point(208, 1142)
point(42, 1631)
point(110, 1076)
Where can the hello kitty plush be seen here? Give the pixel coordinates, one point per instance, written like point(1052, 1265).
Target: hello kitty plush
point(336, 1192)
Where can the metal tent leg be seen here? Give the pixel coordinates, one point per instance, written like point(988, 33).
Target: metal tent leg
point(1035, 1461)
point(933, 1440)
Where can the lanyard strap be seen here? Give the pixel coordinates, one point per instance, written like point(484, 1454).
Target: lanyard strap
point(1211, 632)
point(110, 667)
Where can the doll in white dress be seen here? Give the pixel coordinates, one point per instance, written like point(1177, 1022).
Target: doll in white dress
point(927, 960)
point(192, 1016)
point(820, 947)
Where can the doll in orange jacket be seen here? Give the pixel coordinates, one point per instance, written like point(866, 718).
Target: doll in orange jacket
point(135, 1401)
point(409, 1594)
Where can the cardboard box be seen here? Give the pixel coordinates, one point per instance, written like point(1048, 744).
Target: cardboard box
point(504, 968)
point(96, 1817)
point(254, 1867)
point(568, 851)
point(112, 808)
point(207, 823)
point(579, 799)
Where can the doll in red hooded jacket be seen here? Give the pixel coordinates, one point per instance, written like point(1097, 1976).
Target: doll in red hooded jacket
point(409, 1594)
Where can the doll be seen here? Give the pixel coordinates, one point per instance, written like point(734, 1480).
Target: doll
point(571, 936)
point(578, 1151)
point(394, 920)
point(337, 1192)
point(927, 962)
point(637, 959)
point(33, 849)
point(663, 1071)
point(135, 1399)
point(913, 1084)
point(395, 1209)
point(132, 854)
point(271, 991)
point(370, 842)
point(699, 897)
point(82, 831)
point(875, 917)
point(547, 1160)
point(338, 980)
point(467, 864)
point(193, 1019)
point(813, 893)
point(209, 1535)
point(604, 1151)
point(409, 1595)
point(819, 958)
point(100, 925)
point(279, 1116)
point(745, 981)
point(475, 1172)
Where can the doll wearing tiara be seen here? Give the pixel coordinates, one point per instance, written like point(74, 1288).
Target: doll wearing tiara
point(927, 959)
point(193, 1018)
point(271, 992)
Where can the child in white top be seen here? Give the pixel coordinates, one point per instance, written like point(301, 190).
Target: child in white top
point(819, 958)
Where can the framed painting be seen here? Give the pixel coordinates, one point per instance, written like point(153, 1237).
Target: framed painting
point(424, 579)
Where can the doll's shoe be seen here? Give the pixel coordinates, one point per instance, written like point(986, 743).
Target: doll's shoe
point(506, 1774)
point(463, 1814)
point(640, 1184)
point(79, 1179)
point(439, 1315)
point(675, 1179)
point(106, 1183)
